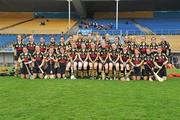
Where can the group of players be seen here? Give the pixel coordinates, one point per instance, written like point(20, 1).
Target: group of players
point(93, 57)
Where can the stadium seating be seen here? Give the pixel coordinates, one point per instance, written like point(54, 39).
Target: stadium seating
point(6, 40)
point(52, 26)
point(126, 26)
point(161, 25)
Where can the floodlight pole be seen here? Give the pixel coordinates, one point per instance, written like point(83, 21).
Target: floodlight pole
point(117, 13)
point(69, 14)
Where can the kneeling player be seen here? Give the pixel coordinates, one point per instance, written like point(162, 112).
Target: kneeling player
point(24, 60)
point(50, 60)
point(136, 62)
point(114, 64)
point(124, 64)
point(62, 61)
point(37, 58)
point(148, 65)
point(160, 60)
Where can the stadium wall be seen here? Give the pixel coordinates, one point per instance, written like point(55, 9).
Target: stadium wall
point(137, 14)
point(54, 15)
point(16, 14)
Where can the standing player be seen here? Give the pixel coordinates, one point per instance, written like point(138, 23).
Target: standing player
point(72, 64)
point(114, 62)
point(31, 45)
point(42, 45)
point(143, 45)
point(153, 45)
point(83, 63)
point(103, 57)
point(125, 64)
point(24, 60)
point(18, 46)
point(93, 61)
point(37, 59)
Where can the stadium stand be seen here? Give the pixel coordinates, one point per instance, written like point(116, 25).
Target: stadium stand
point(124, 25)
point(161, 25)
point(52, 26)
point(8, 19)
point(6, 40)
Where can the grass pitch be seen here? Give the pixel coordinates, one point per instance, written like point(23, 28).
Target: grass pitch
point(88, 100)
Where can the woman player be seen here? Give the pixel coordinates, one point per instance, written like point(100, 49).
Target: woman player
point(93, 61)
point(136, 62)
point(72, 64)
point(83, 63)
point(103, 63)
point(148, 65)
point(24, 60)
point(18, 46)
point(124, 64)
point(50, 60)
point(113, 63)
point(62, 59)
point(37, 59)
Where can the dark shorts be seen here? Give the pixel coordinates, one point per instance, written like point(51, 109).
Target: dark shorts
point(147, 71)
point(62, 68)
point(50, 69)
point(162, 72)
point(36, 68)
point(17, 56)
point(137, 71)
point(24, 70)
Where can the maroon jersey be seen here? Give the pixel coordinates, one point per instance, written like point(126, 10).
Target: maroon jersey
point(31, 47)
point(38, 56)
point(93, 53)
point(136, 59)
point(143, 46)
point(83, 54)
point(125, 56)
point(42, 47)
point(160, 58)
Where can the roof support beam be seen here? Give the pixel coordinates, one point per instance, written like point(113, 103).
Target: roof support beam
point(80, 8)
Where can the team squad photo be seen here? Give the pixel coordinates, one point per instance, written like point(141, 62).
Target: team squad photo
point(93, 56)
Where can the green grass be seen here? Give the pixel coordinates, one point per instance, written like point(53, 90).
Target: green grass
point(88, 100)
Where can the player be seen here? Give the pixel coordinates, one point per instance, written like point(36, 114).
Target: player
point(72, 64)
point(143, 45)
point(148, 65)
point(136, 62)
point(42, 45)
point(83, 63)
point(93, 61)
point(114, 62)
point(31, 45)
point(62, 59)
point(125, 64)
point(160, 60)
point(103, 60)
point(18, 49)
point(37, 58)
point(50, 59)
point(25, 60)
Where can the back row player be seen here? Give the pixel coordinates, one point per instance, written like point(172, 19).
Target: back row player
point(90, 57)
